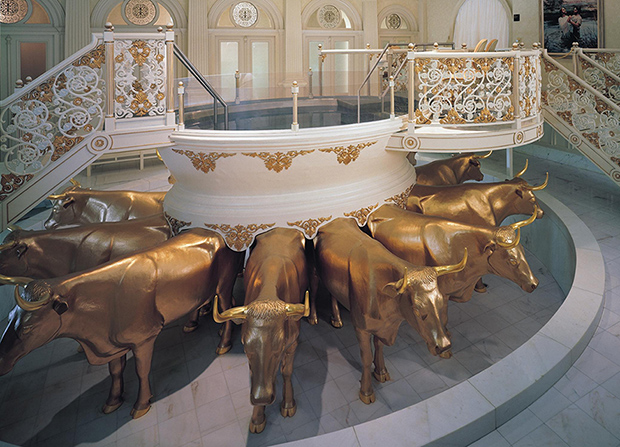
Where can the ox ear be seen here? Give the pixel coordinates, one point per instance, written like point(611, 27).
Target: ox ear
point(68, 202)
point(490, 248)
point(519, 192)
point(392, 289)
point(474, 162)
point(20, 249)
point(60, 307)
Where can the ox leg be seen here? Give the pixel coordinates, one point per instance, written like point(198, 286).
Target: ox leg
point(367, 395)
point(381, 373)
point(143, 355)
point(336, 320)
point(480, 287)
point(192, 322)
point(115, 397)
point(225, 330)
point(289, 406)
point(258, 421)
point(314, 290)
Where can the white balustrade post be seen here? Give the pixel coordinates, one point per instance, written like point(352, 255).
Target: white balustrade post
point(321, 60)
point(108, 40)
point(368, 65)
point(411, 73)
point(237, 84)
point(574, 50)
point(392, 114)
point(509, 163)
point(295, 92)
point(516, 96)
point(181, 92)
point(310, 94)
point(169, 75)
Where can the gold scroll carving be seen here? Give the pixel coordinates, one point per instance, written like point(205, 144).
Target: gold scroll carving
point(277, 161)
point(309, 226)
point(202, 161)
point(348, 154)
point(239, 237)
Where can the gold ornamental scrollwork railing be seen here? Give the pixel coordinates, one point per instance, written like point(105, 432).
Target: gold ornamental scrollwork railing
point(596, 68)
point(592, 118)
point(459, 89)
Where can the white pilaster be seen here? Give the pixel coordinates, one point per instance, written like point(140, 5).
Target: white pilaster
point(370, 22)
point(198, 35)
point(293, 43)
point(77, 25)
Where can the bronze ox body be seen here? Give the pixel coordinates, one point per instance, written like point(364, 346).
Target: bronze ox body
point(381, 290)
point(276, 278)
point(122, 306)
point(429, 240)
point(79, 206)
point(53, 253)
point(450, 171)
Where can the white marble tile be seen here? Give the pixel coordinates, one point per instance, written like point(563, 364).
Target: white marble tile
point(341, 438)
point(607, 344)
point(575, 384)
point(493, 439)
point(215, 415)
point(224, 437)
point(426, 383)
point(519, 426)
point(179, 430)
point(613, 385)
point(542, 436)
point(549, 404)
point(578, 429)
point(146, 438)
point(604, 408)
point(596, 366)
point(177, 403)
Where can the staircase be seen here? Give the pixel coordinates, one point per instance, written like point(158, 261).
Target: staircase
point(583, 105)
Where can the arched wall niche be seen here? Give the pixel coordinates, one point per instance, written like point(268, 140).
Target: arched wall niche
point(404, 13)
point(457, 8)
point(220, 6)
point(348, 8)
point(55, 11)
point(103, 8)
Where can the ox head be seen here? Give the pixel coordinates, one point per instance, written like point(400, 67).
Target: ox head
point(265, 335)
point(524, 201)
point(506, 256)
point(34, 322)
point(12, 251)
point(470, 167)
point(67, 206)
point(422, 304)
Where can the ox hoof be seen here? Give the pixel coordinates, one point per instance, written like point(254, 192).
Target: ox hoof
point(336, 322)
point(107, 409)
point(313, 320)
point(257, 428)
point(190, 326)
point(204, 311)
point(288, 412)
point(480, 289)
point(446, 354)
point(135, 414)
point(367, 399)
point(382, 376)
point(80, 349)
point(220, 350)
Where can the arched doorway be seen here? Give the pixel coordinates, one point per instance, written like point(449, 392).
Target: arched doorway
point(482, 19)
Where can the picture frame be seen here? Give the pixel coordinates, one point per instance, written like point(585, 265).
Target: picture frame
point(568, 21)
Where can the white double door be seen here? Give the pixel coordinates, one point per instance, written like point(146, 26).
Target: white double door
point(339, 70)
point(253, 57)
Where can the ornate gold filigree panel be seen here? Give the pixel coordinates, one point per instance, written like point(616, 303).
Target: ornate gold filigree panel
point(600, 81)
point(464, 90)
point(362, 214)
point(309, 226)
point(239, 237)
point(175, 224)
point(529, 86)
point(11, 182)
point(611, 61)
point(51, 118)
point(401, 199)
point(139, 77)
point(204, 161)
point(348, 154)
point(277, 161)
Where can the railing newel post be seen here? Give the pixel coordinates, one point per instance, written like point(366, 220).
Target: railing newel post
point(515, 84)
point(392, 114)
point(321, 60)
point(170, 118)
point(369, 63)
point(575, 50)
point(237, 87)
point(411, 73)
point(295, 92)
point(310, 94)
point(181, 92)
point(108, 40)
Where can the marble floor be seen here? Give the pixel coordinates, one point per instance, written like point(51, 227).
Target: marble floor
point(53, 397)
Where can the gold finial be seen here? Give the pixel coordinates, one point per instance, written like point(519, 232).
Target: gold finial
point(320, 46)
point(28, 79)
point(294, 83)
point(521, 45)
point(436, 46)
point(169, 26)
point(391, 78)
point(160, 29)
point(535, 46)
point(464, 46)
point(515, 46)
point(109, 26)
point(19, 83)
point(181, 84)
point(411, 46)
point(575, 45)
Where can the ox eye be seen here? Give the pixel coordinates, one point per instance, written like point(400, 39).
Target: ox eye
point(513, 262)
point(424, 317)
point(27, 329)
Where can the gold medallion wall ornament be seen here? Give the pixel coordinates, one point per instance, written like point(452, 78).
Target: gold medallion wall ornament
point(239, 237)
point(244, 14)
point(393, 21)
point(175, 224)
point(277, 161)
point(518, 137)
point(401, 199)
point(13, 11)
point(362, 214)
point(309, 226)
point(329, 16)
point(348, 154)
point(202, 161)
point(140, 12)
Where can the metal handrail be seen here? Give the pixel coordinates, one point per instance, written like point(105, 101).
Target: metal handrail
point(205, 84)
point(396, 73)
point(370, 72)
point(580, 53)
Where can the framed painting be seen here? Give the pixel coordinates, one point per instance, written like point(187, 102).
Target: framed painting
point(568, 21)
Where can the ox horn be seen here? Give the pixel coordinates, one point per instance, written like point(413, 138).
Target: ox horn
point(539, 187)
point(294, 310)
point(525, 222)
point(74, 182)
point(403, 286)
point(521, 172)
point(445, 269)
point(17, 280)
point(236, 313)
point(513, 244)
point(483, 156)
point(56, 196)
point(12, 228)
point(158, 155)
point(31, 306)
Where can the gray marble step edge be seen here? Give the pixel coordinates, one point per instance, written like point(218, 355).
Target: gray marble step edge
point(475, 407)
